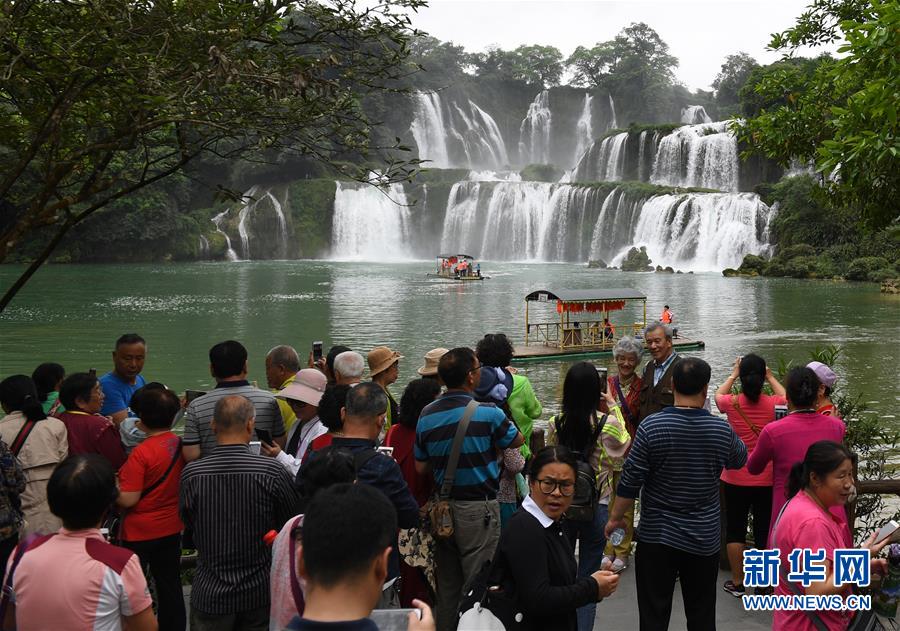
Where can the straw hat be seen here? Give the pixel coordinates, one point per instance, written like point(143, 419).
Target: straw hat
point(380, 359)
point(432, 357)
point(308, 386)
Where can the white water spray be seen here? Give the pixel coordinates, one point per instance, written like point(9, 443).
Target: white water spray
point(370, 223)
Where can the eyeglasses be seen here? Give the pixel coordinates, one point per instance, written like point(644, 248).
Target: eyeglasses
point(548, 485)
point(478, 367)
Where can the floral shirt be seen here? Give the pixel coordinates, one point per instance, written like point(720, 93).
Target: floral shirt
point(11, 487)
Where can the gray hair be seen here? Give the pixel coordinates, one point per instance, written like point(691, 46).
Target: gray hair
point(350, 364)
point(667, 330)
point(286, 357)
point(366, 400)
point(233, 412)
point(627, 345)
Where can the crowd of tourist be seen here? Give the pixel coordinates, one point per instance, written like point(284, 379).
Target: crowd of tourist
point(322, 498)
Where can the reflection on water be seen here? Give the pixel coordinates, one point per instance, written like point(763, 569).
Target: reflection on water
point(72, 314)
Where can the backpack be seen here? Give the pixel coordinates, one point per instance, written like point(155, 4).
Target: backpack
point(585, 498)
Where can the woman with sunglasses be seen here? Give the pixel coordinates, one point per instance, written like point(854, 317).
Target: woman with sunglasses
point(535, 560)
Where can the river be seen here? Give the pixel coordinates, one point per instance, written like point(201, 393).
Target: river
point(72, 314)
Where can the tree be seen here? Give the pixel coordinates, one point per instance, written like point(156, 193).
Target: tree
point(732, 77)
point(444, 59)
point(844, 116)
point(495, 63)
point(538, 65)
point(103, 98)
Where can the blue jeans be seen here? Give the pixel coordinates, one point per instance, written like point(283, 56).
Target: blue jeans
point(592, 541)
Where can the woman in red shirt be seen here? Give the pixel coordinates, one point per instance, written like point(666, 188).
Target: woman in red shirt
point(88, 431)
point(149, 486)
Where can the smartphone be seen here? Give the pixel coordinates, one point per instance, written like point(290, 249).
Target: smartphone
point(620, 570)
point(602, 372)
point(387, 451)
point(780, 412)
point(886, 531)
point(255, 447)
point(265, 436)
point(190, 395)
point(317, 350)
point(92, 372)
point(393, 619)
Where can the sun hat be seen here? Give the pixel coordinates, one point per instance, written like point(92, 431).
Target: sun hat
point(308, 386)
point(824, 373)
point(380, 359)
point(432, 358)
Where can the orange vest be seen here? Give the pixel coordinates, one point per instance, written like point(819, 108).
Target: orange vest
point(666, 317)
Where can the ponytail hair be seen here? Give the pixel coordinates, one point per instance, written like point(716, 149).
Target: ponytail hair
point(802, 386)
point(46, 377)
point(18, 394)
point(821, 458)
point(752, 371)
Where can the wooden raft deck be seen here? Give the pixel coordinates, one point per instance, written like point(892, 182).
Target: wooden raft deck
point(540, 352)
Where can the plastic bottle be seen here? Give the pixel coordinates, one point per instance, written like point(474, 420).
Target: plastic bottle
point(617, 536)
point(886, 599)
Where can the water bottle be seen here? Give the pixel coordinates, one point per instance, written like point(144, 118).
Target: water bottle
point(617, 536)
point(885, 600)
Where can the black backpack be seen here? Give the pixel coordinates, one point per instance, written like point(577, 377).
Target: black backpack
point(585, 498)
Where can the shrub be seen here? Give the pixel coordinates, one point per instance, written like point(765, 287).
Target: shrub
point(862, 268)
point(637, 261)
point(883, 274)
point(752, 263)
point(541, 173)
point(801, 249)
point(800, 267)
point(775, 268)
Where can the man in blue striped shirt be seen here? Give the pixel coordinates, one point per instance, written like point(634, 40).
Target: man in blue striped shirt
point(473, 497)
point(676, 458)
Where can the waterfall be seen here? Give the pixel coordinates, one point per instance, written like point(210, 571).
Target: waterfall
point(249, 204)
point(613, 124)
point(370, 223)
point(694, 114)
point(604, 161)
point(705, 156)
point(230, 254)
point(479, 137)
point(534, 132)
point(428, 130)
point(282, 225)
point(584, 132)
point(204, 247)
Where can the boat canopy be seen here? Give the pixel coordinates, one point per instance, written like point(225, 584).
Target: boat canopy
point(585, 295)
point(450, 256)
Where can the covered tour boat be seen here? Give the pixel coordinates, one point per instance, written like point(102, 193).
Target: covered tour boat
point(457, 267)
point(581, 324)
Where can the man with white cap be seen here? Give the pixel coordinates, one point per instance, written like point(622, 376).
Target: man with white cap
point(429, 369)
point(827, 379)
point(303, 395)
point(384, 368)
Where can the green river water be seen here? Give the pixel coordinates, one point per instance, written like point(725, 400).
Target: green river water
point(72, 314)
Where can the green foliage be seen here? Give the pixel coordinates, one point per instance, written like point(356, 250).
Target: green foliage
point(442, 62)
point(807, 216)
point(541, 173)
point(637, 261)
point(311, 204)
point(866, 267)
point(535, 65)
point(752, 265)
point(732, 77)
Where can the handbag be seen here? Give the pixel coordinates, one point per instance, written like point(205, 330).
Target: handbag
point(488, 605)
point(438, 509)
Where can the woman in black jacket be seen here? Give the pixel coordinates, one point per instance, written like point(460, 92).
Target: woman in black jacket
point(536, 560)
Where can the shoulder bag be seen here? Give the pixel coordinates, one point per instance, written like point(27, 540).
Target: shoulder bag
point(439, 510)
point(737, 408)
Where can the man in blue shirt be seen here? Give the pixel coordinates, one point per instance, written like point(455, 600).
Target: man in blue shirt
point(125, 377)
point(473, 497)
point(676, 458)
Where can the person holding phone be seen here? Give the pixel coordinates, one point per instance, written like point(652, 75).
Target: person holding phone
point(303, 395)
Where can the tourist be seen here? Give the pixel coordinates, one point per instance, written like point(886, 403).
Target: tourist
point(12, 485)
point(525, 409)
point(47, 377)
point(331, 466)
point(125, 377)
point(401, 438)
point(429, 369)
point(230, 499)
point(347, 535)
point(330, 406)
point(364, 416)
point(302, 394)
point(475, 510)
point(785, 442)
point(130, 432)
point(625, 388)
point(656, 391)
point(535, 560)
point(149, 482)
point(282, 364)
point(39, 442)
point(228, 365)
point(327, 365)
point(384, 368)
point(495, 353)
point(512, 463)
point(348, 368)
point(827, 379)
point(819, 483)
point(609, 330)
point(675, 463)
point(601, 443)
point(73, 579)
point(88, 432)
point(743, 492)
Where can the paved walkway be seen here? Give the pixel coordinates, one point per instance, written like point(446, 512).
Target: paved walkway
point(620, 613)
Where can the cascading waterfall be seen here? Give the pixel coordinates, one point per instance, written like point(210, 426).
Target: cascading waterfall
point(604, 161)
point(370, 223)
point(584, 132)
point(244, 213)
point(694, 115)
point(704, 156)
point(204, 247)
point(613, 124)
point(534, 132)
point(230, 254)
point(428, 130)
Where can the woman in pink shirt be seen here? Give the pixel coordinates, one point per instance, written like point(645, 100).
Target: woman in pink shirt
point(821, 481)
point(784, 443)
point(748, 413)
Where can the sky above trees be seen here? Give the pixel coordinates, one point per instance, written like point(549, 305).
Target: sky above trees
point(700, 34)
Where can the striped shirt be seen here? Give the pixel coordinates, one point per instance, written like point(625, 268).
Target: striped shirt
point(477, 473)
point(231, 498)
point(677, 457)
point(200, 412)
